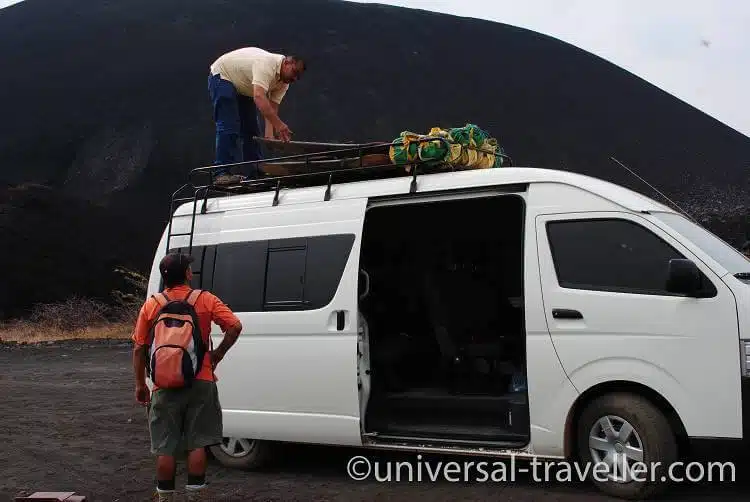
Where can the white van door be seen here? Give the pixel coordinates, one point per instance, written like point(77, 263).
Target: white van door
point(611, 319)
point(290, 273)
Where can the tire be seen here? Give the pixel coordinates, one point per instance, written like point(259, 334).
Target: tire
point(249, 454)
point(651, 431)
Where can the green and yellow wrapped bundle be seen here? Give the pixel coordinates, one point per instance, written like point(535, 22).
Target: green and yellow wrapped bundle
point(466, 147)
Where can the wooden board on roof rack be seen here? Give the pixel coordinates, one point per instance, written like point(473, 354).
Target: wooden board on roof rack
point(316, 165)
point(303, 172)
point(276, 148)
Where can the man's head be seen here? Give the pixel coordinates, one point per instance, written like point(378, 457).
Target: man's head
point(175, 269)
point(292, 69)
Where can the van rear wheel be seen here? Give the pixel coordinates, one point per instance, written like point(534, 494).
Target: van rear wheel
point(621, 437)
point(242, 453)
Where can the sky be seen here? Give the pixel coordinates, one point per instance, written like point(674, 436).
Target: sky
point(696, 50)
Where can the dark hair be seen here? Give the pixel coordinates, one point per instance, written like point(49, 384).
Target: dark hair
point(172, 281)
point(301, 62)
point(173, 268)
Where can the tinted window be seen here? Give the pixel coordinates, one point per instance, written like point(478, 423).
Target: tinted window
point(283, 274)
point(285, 281)
point(728, 257)
point(239, 274)
point(326, 259)
point(609, 255)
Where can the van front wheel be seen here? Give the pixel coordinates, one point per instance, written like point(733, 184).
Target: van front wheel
point(241, 453)
point(627, 445)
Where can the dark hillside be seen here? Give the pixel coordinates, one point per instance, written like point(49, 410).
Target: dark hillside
point(106, 101)
point(54, 246)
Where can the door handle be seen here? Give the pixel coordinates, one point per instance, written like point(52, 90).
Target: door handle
point(566, 314)
point(340, 320)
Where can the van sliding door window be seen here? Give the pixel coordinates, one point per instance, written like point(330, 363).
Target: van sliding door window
point(613, 255)
point(304, 274)
point(239, 274)
point(281, 274)
point(285, 280)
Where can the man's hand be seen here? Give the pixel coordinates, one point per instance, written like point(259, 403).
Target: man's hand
point(269, 110)
point(285, 134)
point(230, 337)
point(142, 394)
point(216, 359)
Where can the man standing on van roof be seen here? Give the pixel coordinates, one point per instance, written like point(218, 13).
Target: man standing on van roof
point(240, 84)
point(188, 417)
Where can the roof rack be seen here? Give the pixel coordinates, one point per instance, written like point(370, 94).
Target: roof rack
point(318, 165)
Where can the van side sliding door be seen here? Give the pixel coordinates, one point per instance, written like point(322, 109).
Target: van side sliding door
point(291, 276)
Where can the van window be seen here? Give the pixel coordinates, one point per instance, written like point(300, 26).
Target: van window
point(239, 273)
point(282, 274)
point(727, 256)
point(285, 281)
point(610, 255)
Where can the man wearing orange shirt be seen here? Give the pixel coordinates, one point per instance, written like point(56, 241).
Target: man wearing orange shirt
point(189, 417)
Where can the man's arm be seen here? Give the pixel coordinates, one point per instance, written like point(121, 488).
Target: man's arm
point(230, 337)
point(270, 113)
point(140, 335)
point(139, 369)
point(269, 125)
point(223, 316)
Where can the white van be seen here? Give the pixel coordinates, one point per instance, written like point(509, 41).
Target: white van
point(494, 312)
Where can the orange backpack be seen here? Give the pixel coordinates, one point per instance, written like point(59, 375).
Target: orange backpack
point(176, 345)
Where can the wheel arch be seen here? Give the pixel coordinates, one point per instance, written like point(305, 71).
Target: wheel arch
point(614, 386)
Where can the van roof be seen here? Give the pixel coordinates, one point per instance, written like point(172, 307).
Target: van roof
point(478, 178)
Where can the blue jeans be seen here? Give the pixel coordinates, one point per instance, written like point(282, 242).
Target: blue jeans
point(237, 121)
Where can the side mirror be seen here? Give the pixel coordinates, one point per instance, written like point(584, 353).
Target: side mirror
point(685, 278)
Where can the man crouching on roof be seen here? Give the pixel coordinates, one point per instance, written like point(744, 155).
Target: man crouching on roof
point(241, 83)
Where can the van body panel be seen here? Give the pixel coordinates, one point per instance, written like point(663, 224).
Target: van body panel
point(308, 428)
point(683, 348)
point(292, 375)
point(468, 179)
point(551, 394)
point(741, 290)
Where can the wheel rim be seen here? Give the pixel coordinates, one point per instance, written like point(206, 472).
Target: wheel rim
point(237, 447)
point(615, 443)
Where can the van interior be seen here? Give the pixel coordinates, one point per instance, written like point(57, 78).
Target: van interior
point(441, 295)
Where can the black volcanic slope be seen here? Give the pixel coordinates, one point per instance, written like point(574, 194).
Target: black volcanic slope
point(106, 101)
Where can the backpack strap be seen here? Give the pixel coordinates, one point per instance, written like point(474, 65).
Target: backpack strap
point(192, 297)
point(161, 298)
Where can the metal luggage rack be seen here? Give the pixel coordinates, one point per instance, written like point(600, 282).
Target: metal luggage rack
point(353, 164)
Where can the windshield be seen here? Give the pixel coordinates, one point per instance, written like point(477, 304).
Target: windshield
point(724, 254)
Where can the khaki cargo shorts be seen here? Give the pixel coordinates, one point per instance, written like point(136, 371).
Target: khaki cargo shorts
point(181, 420)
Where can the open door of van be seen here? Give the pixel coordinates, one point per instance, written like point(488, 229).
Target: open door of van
point(291, 275)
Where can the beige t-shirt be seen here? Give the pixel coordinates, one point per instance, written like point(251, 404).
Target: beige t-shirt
point(250, 66)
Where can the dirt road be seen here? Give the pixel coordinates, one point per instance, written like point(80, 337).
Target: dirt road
point(69, 423)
